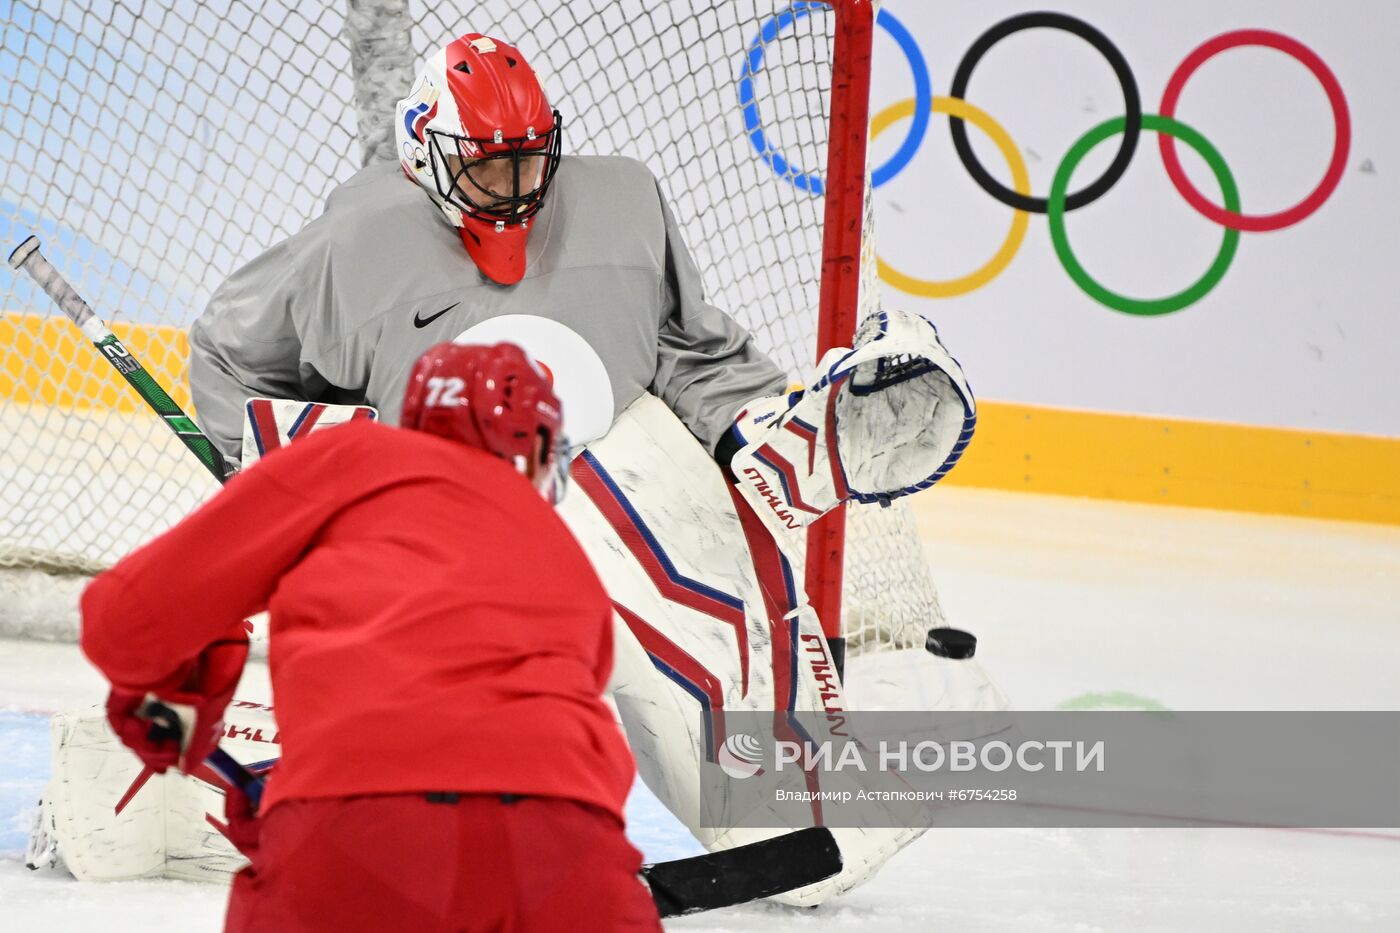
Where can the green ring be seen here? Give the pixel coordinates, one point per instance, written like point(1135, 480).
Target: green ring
point(1055, 213)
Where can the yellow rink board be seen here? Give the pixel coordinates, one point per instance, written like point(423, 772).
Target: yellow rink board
point(1017, 447)
point(48, 361)
point(1178, 462)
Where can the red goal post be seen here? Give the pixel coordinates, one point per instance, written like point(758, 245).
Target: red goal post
point(843, 235)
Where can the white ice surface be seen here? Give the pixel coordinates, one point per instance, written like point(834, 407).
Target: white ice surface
point(1074, 602)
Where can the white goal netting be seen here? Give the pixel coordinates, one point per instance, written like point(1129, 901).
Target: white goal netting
point(155, 146)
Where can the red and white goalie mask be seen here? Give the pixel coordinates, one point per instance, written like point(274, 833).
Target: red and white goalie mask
point(495, 398)
point(479, 136)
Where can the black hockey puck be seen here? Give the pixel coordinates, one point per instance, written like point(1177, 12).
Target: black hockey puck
point(951, 643)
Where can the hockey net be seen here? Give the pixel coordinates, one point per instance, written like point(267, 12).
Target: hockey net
point(154, 149)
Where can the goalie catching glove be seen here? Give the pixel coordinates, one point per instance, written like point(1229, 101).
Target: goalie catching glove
point(885, 419)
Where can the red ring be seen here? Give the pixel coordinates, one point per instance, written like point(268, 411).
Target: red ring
point(1341, 117)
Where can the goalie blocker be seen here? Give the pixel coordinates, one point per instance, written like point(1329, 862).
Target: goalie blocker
point(883, 420)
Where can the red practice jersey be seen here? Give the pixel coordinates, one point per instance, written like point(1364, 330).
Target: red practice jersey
point(434, 624)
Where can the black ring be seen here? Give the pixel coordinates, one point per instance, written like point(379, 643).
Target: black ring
point(1132, 104)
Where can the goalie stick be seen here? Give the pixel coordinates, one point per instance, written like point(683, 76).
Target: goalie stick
point(681, 886)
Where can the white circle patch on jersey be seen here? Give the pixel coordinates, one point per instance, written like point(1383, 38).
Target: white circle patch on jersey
point(580, 379)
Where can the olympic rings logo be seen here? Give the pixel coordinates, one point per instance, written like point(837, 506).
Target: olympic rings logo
point(1059, 200)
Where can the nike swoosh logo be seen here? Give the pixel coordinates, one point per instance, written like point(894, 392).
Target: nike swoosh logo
point(425, 321)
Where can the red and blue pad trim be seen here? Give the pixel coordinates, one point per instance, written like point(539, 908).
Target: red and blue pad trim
point(604, 492)
point(686, 672)
point(263, 419)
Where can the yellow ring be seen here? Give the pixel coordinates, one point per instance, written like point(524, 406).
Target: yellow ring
point(1020, 182)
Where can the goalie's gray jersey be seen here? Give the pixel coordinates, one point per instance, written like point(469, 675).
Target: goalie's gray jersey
point(341, 310)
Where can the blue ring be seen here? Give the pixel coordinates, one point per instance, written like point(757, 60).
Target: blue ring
point(753, 122)
point(923, 100)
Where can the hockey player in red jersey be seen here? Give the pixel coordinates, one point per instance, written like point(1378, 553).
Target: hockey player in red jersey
point(428, 604)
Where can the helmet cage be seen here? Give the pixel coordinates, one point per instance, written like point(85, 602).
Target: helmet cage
point(461, 188)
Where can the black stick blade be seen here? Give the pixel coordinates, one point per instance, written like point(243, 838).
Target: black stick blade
point(745, 873)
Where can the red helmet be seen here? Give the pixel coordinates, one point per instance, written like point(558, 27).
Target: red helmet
point(491, 397)
point(478, 134)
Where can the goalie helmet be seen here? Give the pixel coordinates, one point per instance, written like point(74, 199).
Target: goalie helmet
point(494, 398)
point(479, 136)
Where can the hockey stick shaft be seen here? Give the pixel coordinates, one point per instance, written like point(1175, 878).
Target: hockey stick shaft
point(232, 771)
point(27, 257)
